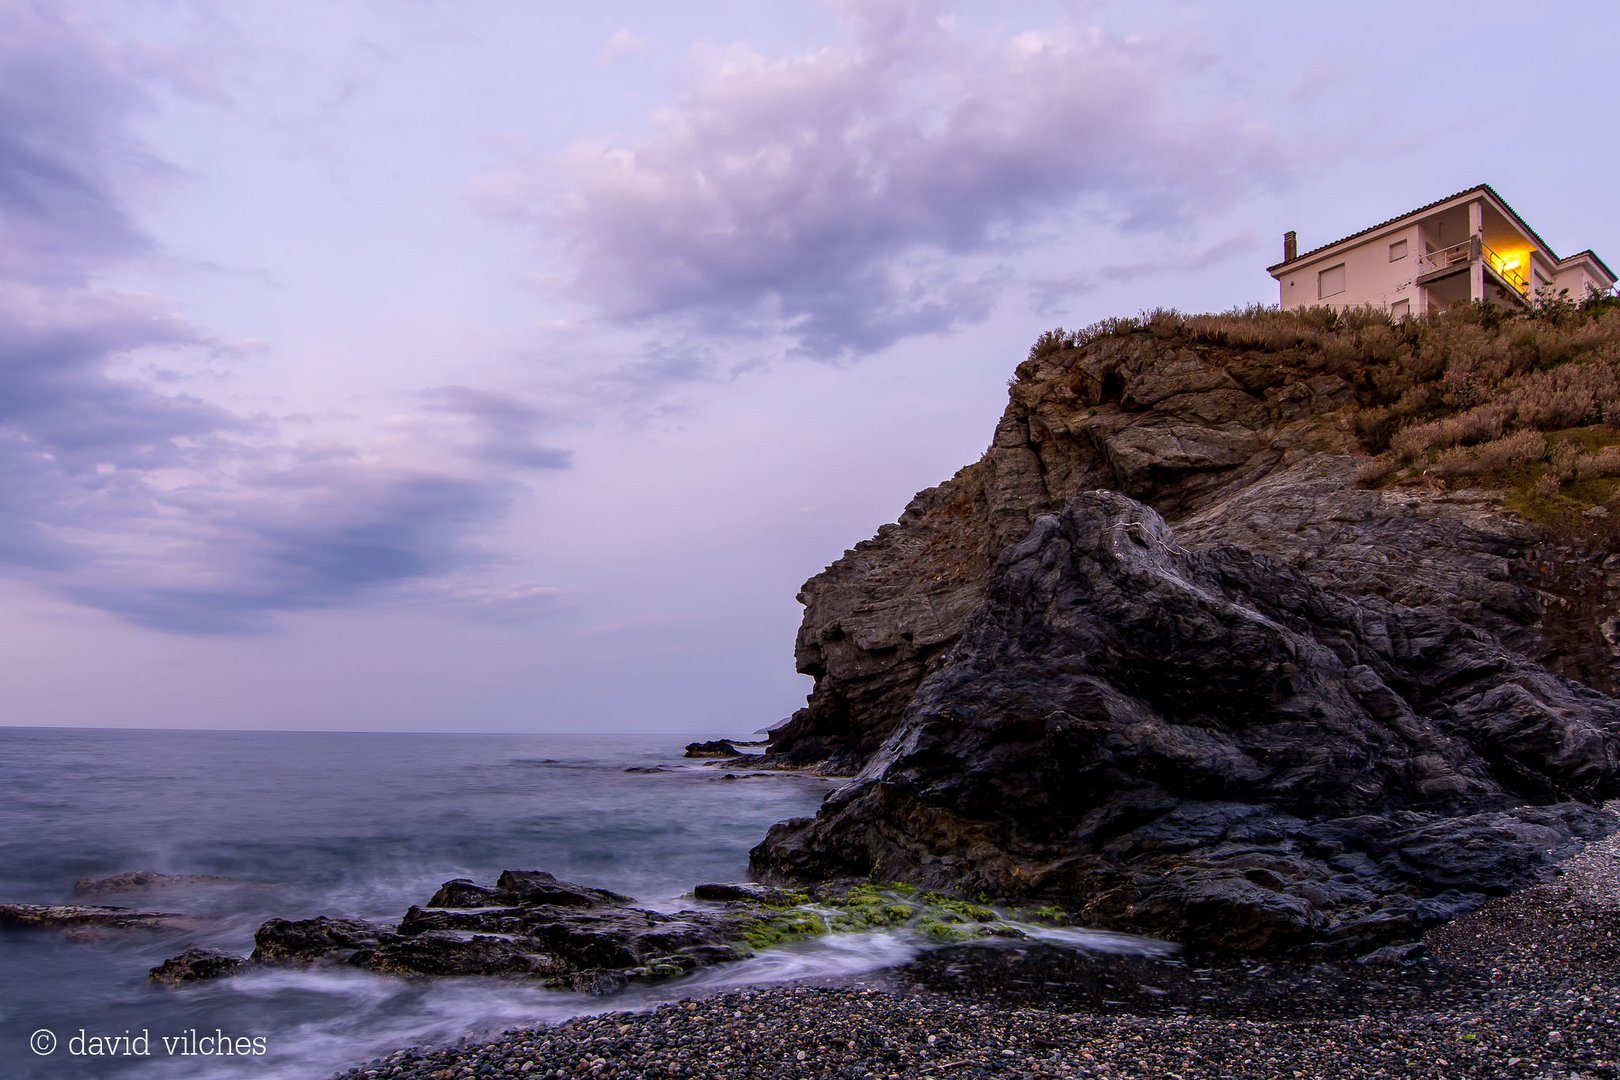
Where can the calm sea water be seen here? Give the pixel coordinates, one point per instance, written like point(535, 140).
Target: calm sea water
point(344, 824)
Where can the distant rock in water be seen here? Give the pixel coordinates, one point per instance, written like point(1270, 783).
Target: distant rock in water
point(131, 881)
point(1210, 746)
point(715, 748)
point(80, 916)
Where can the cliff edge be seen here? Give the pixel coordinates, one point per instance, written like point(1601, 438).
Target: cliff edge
point(1257, 629)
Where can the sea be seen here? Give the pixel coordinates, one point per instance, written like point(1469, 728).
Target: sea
point(299, 824)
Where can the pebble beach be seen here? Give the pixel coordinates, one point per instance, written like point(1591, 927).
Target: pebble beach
point(1528, 985)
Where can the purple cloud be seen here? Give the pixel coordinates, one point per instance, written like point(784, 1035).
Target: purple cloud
point(506, 429)
point(830, 195)
point(65, 100)
point(161, 507)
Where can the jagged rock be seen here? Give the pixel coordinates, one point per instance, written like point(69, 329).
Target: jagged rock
point(1231, 445)
point(716, 748)
point(1210, 746)
point(143, 881)
point(464, 893)
point(529, 924)
point(196, 965)
point(320, 938)
point(438, 952)
point(536, 887)
point(81, 916)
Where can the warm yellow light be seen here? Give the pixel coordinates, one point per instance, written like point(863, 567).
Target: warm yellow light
point(1512, 264)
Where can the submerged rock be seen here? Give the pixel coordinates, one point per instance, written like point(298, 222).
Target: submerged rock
point(1210, 746)
point(144, 881)
point(81, 916)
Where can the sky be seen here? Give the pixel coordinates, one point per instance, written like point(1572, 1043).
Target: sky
point(508, 366)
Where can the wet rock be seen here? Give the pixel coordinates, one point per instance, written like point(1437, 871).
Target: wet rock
point(465, 893)
point(530, 924)
point(320, 938)
point(440, 952)
point(196, 965)
point(536, 887)
point(715, 748)
point(1209, 746)
point(750, 891)
point(80, 916)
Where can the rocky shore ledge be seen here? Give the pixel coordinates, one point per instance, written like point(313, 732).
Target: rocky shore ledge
point(1528, 985)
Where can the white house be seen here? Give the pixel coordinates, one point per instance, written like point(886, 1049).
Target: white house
point(1467, 246)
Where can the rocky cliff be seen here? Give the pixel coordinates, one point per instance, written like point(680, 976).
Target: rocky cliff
point(1252, 629)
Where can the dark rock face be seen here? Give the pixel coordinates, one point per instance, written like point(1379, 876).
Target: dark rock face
point(194, 965)
point(1210, 745)
point(1232, 446)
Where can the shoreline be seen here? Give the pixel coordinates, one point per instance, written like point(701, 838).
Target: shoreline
point(1529, 984)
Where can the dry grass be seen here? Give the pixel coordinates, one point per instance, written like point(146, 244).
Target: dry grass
point(1474, 395)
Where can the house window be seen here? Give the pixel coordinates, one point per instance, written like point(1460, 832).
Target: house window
point(1397, 251)
point(1330, 282)
point(1400, 309)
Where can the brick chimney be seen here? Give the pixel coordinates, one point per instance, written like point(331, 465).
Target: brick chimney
point(1290, 246)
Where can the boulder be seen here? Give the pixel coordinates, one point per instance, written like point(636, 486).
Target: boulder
point(532, 888)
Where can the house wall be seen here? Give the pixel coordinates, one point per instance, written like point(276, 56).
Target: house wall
point(1576, 279)
point(1370, 277)
point(1542, 273)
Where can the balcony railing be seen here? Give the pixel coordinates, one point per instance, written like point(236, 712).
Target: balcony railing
point(1444, 259)
point(1504, 271)
point(1466, 252)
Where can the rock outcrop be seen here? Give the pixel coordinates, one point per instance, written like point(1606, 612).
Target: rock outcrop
point(1252, 446)
point(529, 924)
point(1208, 745)
point(1160, 658)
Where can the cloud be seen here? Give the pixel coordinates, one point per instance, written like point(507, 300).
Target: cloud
point(832, 196)
point(622, 43)
point(161, 507)
point(505, 429)
point(301, 539)
point(65, 99)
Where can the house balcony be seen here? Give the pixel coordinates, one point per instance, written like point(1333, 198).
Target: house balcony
point(1434, 266)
